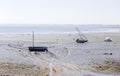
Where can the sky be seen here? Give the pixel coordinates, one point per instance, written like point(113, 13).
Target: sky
point(59, 11)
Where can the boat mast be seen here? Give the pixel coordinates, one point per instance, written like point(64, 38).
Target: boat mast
point(80, 34)
point(33, 38)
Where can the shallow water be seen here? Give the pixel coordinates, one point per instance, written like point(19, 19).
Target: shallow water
point(56, 28)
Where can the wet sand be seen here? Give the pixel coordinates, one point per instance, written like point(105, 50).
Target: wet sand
point(65, 56)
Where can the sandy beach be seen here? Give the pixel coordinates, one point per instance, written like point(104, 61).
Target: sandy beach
point(65, 57)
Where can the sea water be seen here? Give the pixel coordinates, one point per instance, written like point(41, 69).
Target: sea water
point(57, 28)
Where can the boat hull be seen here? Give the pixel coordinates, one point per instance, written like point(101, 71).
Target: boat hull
point(38, 49)
point(81, 41)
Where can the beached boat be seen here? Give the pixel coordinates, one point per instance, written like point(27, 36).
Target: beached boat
point(82, 38)
point(108, 39)
point(36, 48)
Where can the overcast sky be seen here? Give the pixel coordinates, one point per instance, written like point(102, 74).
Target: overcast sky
point(59, 11)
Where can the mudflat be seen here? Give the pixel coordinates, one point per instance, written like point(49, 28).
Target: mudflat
point(65, 57)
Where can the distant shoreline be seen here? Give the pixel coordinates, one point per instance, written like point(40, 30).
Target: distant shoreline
point(61, 32)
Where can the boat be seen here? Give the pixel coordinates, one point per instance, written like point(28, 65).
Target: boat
point(108, 39)
point(82, 38)
point(37, 48)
